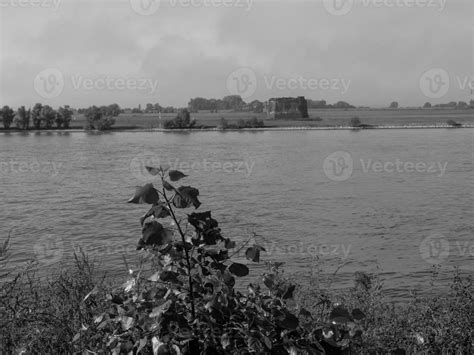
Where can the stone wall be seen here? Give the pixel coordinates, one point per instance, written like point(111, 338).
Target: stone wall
point(287, 108)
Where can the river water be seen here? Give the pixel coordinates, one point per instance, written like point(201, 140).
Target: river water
point(394, 202)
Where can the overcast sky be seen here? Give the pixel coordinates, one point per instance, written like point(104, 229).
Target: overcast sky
point(366, 52)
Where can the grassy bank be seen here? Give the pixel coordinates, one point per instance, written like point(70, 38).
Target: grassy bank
point(40, 316)
point(322, 118)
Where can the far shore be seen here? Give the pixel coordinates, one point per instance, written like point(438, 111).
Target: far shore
point(258, 129)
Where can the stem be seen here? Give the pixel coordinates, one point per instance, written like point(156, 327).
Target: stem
point(188, 262)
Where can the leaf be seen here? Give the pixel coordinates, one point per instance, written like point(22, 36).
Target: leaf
point(186, 196)
point(288, 321)
point(176, 175)
point(340, 315)
point(169, 276)
point(158, 311)
point(305, 313)
point(202, 221)
point(94, 291)
point(357, 314)
point(253, 254)
point(76, 337)
point(128, 286)
point(145, 194)
point(229, 244)
point(141, 345)
point(154, 234)
point(158, 211)
point(126, 322)
point(167, 186)
point(239, 270)
point(269, 280)
point(289, 292)
point(153, 171)
point(155, 277)
point(156, 343)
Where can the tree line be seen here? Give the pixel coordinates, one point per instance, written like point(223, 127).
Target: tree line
point(45, 117)
point(38, 117)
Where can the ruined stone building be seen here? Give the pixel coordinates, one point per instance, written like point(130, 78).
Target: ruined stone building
point(287, 108)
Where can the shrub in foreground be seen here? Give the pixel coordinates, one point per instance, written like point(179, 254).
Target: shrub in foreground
point(188, 303)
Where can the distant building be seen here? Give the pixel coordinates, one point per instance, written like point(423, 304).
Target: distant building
point(287, 108)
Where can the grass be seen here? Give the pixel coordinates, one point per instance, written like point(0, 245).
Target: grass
point(39, 316)
point(43, 316)
point(318, 118)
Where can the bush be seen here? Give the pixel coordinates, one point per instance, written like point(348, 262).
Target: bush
point(223, 124)
point(187, 303)
point(355, 122)
point(181, 121)
point(453, 123)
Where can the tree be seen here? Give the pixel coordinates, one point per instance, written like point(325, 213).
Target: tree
point(462, 105)
point(22, 120)
point(64, 117)
point(47, 116)
point(427, 105)
point(394, 104)
point(355, 122)
point(182, 120)
point(149, 108)
point(233, 102)
point(36, 115)
point(7, 116)
point(101, 118)
point(112, 110)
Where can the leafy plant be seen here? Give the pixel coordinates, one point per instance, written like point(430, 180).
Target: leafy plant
point(188, 302)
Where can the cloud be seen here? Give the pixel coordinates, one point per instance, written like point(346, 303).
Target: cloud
point(190, 51)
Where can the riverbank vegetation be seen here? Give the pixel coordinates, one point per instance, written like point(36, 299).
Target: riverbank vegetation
point(187, 297)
